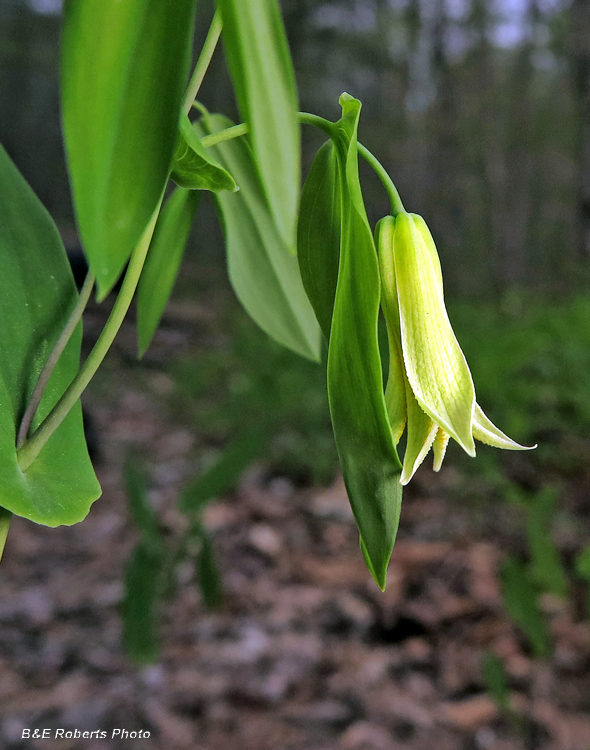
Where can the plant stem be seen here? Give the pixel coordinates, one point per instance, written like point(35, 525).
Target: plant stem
point(225, 135)
point(5, 518)
point(31, 448)
point(319, 122)
point(203, 62)
point(397, 207)
point(328, 127)
point(53, 359)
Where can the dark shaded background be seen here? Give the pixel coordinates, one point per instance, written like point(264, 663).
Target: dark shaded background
point(478, 108)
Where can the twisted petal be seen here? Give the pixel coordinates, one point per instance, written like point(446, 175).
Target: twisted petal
point(421, 434)
point(435, 365)
point(439, 448)
point(487, 432)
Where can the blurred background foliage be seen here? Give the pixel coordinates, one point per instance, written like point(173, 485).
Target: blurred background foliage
point(477, 107)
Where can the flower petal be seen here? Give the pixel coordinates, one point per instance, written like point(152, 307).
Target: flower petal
point(421, 434)
point(486, 432)
point(435, 365)
point(395, 392)
point(439, 448)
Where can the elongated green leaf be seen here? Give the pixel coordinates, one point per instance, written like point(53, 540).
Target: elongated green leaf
point(140, 507)
point(225, 472)
point(318, 234)
point(583, 563)
point(583, 569)
point(369, 460)
point(37, 294)
point(125, 65)
point(496, 680)
point(163, 261)
point(262, 74)
point(520, 598)
point(140, 604)
point(264, 275)
point(194, 168)
point(208, 573)
point(546, 564)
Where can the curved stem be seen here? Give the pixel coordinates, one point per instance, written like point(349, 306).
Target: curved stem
point(225, 135)
point(53, 359)
point(397, 207)
point(203, 62)
point(328, 127)
point(31, 448)
point(5, 518)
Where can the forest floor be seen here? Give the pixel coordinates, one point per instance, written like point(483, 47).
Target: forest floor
point(305, 652)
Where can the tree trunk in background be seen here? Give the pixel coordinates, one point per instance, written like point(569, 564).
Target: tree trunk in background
point(444, 199)
point(520, 144)
point(580, 43)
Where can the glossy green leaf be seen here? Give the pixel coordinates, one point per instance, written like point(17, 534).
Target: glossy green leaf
point(225, 472)
point(262, 74)
point(520, 597)
point(208, 573)
point(163, 262)
point(124, 69)
point(264, 275)
point(143, 577)
point(318, 234)
point(37, 294)
point(368, 457)
point(194, 168)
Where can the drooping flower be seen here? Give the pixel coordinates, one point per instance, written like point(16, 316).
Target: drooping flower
point(429, 390)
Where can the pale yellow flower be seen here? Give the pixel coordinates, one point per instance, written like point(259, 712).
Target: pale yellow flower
point(430, 389)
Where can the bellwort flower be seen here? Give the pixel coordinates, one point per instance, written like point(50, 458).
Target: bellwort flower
point(429, 390)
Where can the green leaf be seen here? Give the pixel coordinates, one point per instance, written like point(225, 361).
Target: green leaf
point(193, 168)
point(583, 564)
point(583, 568)
point(163, 261)
point(139, 610)
point(369, 460)
point(520, 598)
point(496, 681)
point(37, 295)
point(546, 565)
point(208, 573)
point(318, 234)
point(262, 74)
point(225, 472)
point(264, 275)
point(124, 69)
point(140, 507)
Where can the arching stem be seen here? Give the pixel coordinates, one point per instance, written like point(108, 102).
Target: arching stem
point(31, 448)
point(53, 359)
point(203, 62)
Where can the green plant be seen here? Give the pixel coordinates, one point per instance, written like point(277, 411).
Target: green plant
point(299, 266)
